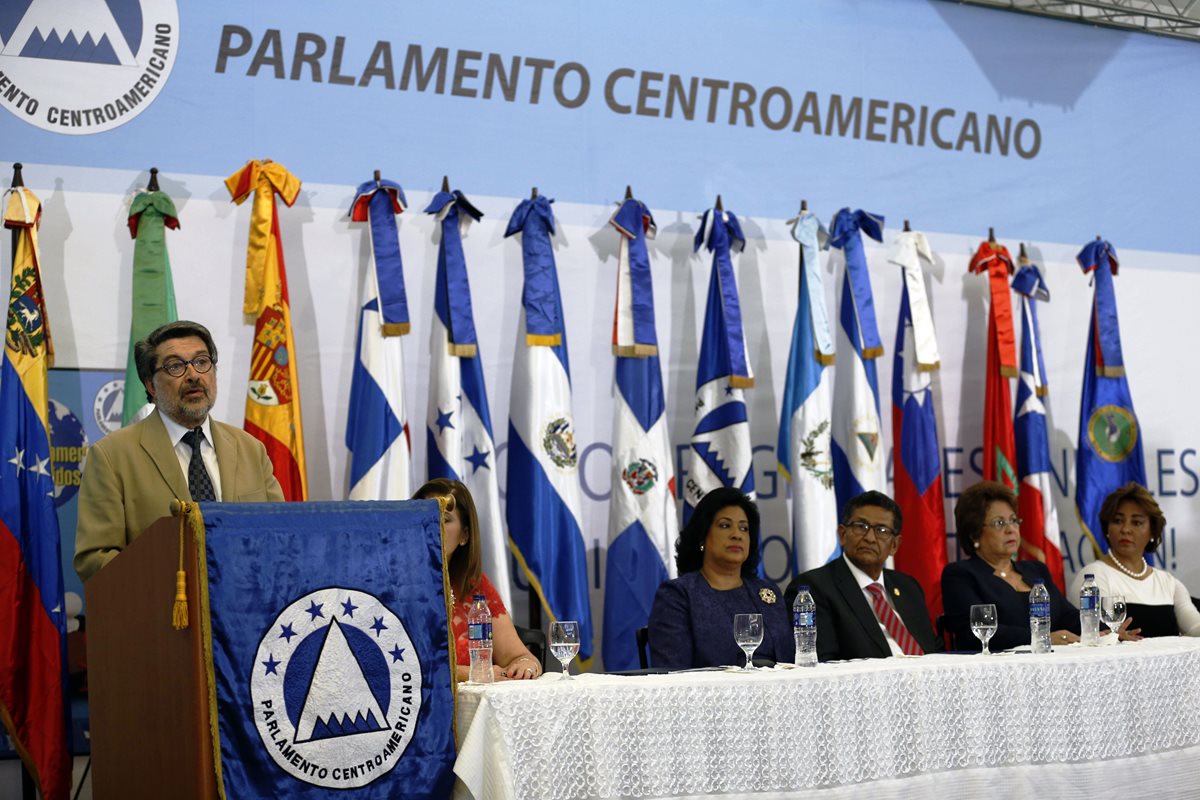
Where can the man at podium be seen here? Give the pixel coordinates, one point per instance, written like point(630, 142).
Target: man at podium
point(178, 451)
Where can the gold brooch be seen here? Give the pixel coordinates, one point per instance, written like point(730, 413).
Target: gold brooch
point(767, 595)
point(896, 592)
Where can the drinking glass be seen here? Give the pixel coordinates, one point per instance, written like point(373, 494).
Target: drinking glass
point(748, 631)
point(1112, 610)
point(983, 623)
point(564, 643)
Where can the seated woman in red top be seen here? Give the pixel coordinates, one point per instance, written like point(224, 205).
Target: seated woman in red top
point(511, 660)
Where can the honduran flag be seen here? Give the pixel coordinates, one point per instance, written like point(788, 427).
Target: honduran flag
point(32, 618)
point(804, 424)
point(377, 432)
point(859, 457)
point(460, 444)
point(642, 520)
point(917, 464)
point(1035, 503)
point(999, 443)
point(1110, 442)
point(544, 517)
point(721, 453)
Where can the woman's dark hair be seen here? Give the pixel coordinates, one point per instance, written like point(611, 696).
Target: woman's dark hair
point(466, 565)
point(970, 511)
point(145, 351)
point(1138, 494)
point(689, 557)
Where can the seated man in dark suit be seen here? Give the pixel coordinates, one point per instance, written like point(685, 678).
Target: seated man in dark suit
point(864, 610)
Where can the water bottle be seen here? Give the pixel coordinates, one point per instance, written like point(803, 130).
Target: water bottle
point(479, 640)
point(1089, 611)
point(1039, 617)
point(804, 628)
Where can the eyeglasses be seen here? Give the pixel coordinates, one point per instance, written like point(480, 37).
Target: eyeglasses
point(175, 367)
point(859, 527)
point(1000, 523)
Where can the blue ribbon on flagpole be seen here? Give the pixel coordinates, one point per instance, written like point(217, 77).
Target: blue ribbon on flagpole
point(846, 235)
point(1029, 283)
point(1100, 258)
point(812, 236)
point(452, 298)
point(380, 201)
point(534, 219)
point(720, 232)
point(632, 219)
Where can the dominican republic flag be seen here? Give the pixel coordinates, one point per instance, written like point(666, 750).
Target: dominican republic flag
point(377, 434)
point(33, 634)
point(859, 460)
point(917, 460)
point(999, 443)
point(458, 423)
point(805, 435)
point(721, 453)
point(544, 518)
point(643, 523)
point(1035, 504)
point(1110, 443)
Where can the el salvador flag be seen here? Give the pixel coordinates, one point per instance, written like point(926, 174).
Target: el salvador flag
point(458, 424)
point(544, 498)
point(377, 426)
point(642, 522)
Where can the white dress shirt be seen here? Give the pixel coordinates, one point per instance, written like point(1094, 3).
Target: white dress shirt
point(183, 450)
point(865, 580)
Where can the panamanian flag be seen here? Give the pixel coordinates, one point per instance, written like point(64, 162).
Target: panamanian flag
point(642, 520)
point(858, 451)
point(804, 426)
point(458, 423)
point(543, 457)
point(377, 425)
point(721, 453)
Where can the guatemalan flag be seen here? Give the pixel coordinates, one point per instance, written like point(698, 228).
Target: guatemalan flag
point(1110, 442)
point(859, 462)
point(377, 426)
point(917, 464)
point(642, 520)
point(804, 424)
point(721, 453)
point(544, 502)
point(458, 424)
point(1035, 503)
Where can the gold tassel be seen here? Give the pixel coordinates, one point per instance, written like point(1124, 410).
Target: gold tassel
point(179, 614)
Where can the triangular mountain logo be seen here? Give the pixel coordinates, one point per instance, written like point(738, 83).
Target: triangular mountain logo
point(70, 30)
point(339, 701)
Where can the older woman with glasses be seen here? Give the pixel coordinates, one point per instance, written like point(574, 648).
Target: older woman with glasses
point(988, 531)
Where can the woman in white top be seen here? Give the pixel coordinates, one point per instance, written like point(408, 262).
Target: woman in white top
point(1158, 602)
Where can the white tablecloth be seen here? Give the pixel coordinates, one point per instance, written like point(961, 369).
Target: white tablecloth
point(909, 726)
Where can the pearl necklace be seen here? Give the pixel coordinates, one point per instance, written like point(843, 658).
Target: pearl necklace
point(1135, 575)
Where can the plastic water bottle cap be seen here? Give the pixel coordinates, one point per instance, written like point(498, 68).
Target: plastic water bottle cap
point(1039, 583)
point(1087, 576)
point(477, 597)
point(802, 589)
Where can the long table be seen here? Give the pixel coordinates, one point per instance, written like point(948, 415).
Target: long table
point(1079, 722)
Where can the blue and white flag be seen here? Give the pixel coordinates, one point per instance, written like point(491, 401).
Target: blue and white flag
point(804, 423)
point(460, 444)
point(643, 523)
point(859, 455)
point(332, 666)
point(544, 501)
point(721, 454)
point(377, 432)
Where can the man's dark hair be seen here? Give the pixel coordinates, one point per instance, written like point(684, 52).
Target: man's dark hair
point(144, 352)
point(878, 500)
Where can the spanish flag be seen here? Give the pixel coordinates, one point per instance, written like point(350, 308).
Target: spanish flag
point(273, 398)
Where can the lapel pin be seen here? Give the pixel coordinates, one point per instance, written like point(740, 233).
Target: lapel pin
point(895, 591)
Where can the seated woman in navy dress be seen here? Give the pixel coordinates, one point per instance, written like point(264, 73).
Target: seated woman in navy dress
point(691, 623)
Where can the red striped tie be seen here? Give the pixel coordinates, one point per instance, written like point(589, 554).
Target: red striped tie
point(892, 623)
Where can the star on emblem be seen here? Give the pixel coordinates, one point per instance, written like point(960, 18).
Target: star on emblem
point(348, 608)
point(314, 609)
point(287, 632)
point(479, 459)
point(271, 664)
point(378, 626)
point(397, 654)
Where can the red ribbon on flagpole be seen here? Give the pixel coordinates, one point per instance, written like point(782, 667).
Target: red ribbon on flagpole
point(996, 261)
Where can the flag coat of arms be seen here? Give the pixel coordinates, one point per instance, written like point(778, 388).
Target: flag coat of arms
point(543, 457)
point(805, 436)
point(273, 395)
point(642, 519)
point(859, 458)
point(1109, 453)
point(461, 445)
point(377, 433)
point(999, 442)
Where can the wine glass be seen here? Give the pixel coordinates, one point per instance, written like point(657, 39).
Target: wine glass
point(564, 643)
point(748, 631)
point(1112, 610)
point(983, 623)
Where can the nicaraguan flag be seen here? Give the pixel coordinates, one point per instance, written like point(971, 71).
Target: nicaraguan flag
point(721, 453)
point(804, 426)
point(642, 520)
point(859, 460)
point(458, 423)
point(377, 425)
point(1110, 444)
point(544, 499)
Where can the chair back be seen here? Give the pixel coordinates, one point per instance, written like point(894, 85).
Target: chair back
point(535, 640)
point(643, 646)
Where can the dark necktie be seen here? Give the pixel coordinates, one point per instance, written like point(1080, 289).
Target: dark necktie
point(892, 622)
point(199, 484)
